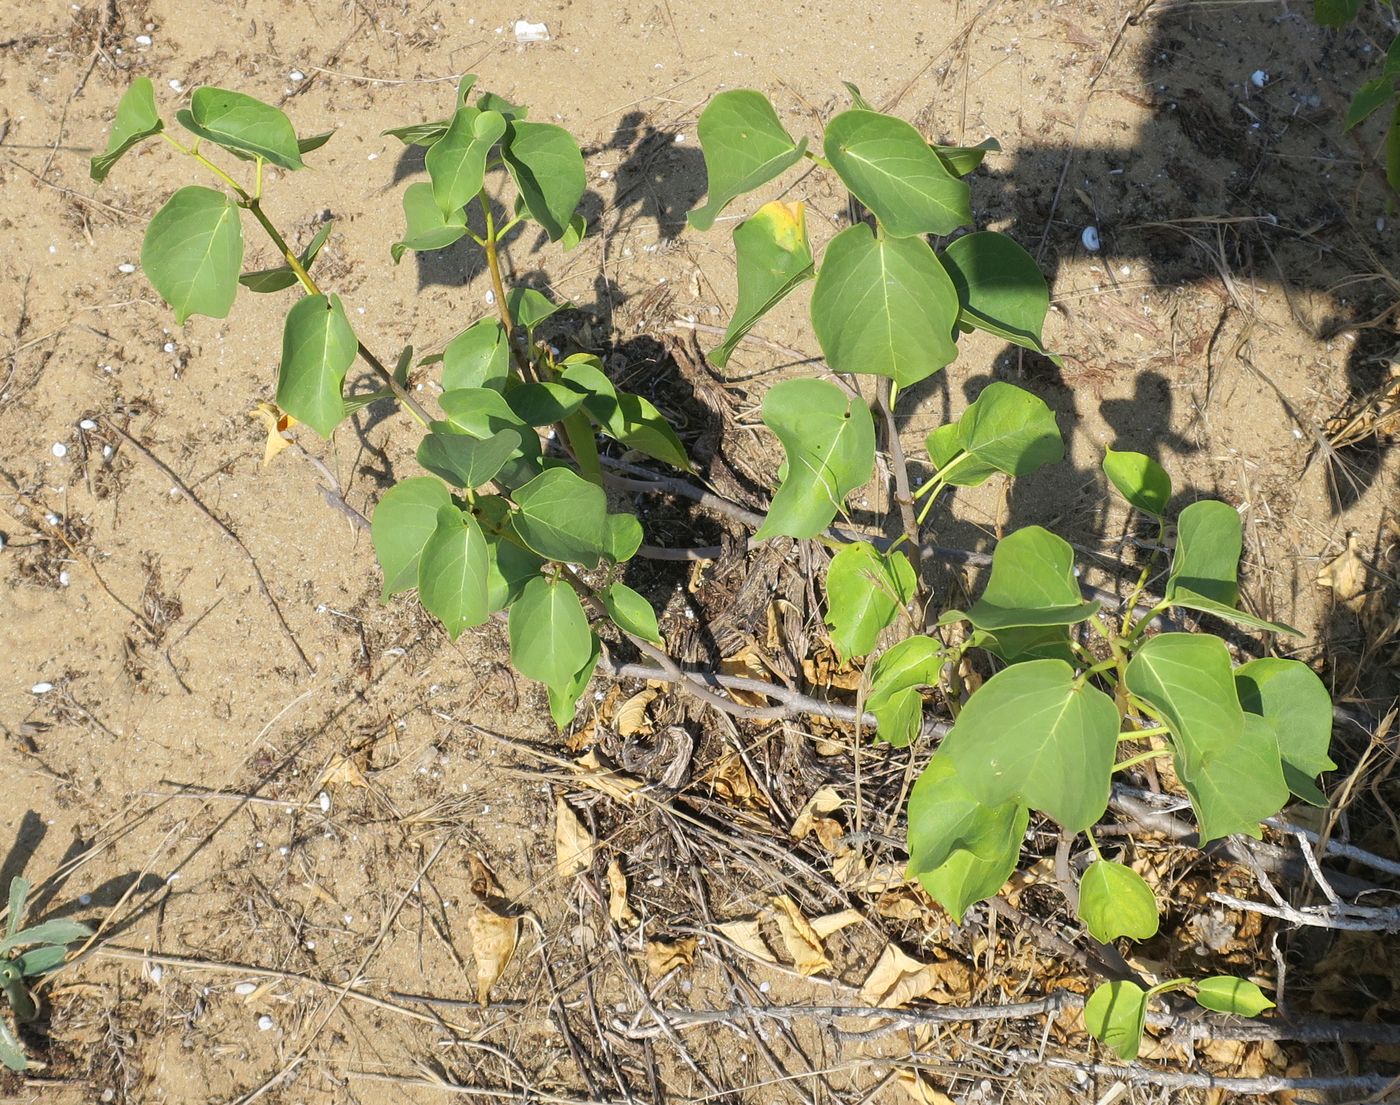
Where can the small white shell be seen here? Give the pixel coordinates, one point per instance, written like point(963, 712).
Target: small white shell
point(1090, 238)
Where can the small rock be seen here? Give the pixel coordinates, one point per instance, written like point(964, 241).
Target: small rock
point(296, 75)
point(176, 85)
point(243, 989)
point(143, 40)
point(87, 424)
point(157, 973)
point(525, 31)
point(64, 578)
point(1259, 78)
point(325, 800)
point(41, 688)
point(59, 449)
point(169, 347)
point(1090, 238)
point(126, 266)
point(265, 1023)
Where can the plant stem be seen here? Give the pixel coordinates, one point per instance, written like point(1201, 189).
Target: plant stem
point(900, 468)
point(400, 392)
point(1142, 757)
point(498, 288)
point(1131, 604)
point(1140, 734)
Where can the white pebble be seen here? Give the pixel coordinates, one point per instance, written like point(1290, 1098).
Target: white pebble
point(1259, 78)
point(143, 40)
point(176, 85)
point(169, 347)
point(52, 519)
point(490, 297)
point(243, 989)
point(157, 973)
point(679, 139)
point(41, 688)
point(60, 449)
point(1090, 238)
point(85, 899)
point(265, 1023)
point(64, 579)
point(87, 424)
point(325, 800)
point(107, 452)
point(525, 31)
point(126, 266)
point(296, 75)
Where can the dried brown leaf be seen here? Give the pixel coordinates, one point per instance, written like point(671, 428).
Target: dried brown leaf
point(898, 978)
point(828, 923)
point(1346, 577)
point(732, 782)
point(618, 908)
point(573, 843)
point(631, 717)
point(494, 936)
point(342, 770)
point(919, 1088)
point(824, 800)
point(277, 424)
point(746, 935)
point(663, 956)
point(483, 880)
point(803, 944)
point(615, 784)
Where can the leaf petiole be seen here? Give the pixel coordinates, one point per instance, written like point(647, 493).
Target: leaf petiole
point(1142, 757)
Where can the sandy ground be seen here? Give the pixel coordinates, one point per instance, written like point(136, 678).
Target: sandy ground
point(173, 782)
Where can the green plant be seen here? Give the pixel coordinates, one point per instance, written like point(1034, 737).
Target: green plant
point(1379, 92)
point(25, 954)
point(507, 523)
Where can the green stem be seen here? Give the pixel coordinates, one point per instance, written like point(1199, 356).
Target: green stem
point(933, 498)
point(1142, 734)
point(818, 159)
point(1142, 757)
point(1095, 669)
point(193, 151)
point(1094, 844)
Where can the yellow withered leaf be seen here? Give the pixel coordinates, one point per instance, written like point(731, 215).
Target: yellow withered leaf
point(277, 423)
point(631, 717)
point(828, 923)
point(573, 843)
point(618, 908)
point(343, 770)
point(494, 936)
point(1346, 576)
point(747, 937)
point(920, 1089)
point(802, 942)
point(664, 956)
point(898, 978)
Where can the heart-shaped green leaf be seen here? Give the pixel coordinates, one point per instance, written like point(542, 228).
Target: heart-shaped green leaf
point(453, 571)
point(1032, 584)
point(829, 439)
point(403, 521)
point(631, 612)
point(456, 163)
point(956, 466)
point(549, 636)
point(745, 146)
point(193, 251)
point(563, 517)
point(1223, 994)
point(961, 160)
point(960, 851)
point(547, 167)
point(622, 538)
point(891, 169)
point(420, 134)
point(1034, 735)
point(884, 306)
point(1140, 480)
point(1228, 760)
point(137, 119)
point(425, 226)
point(563, 701)
point(465, 461)
point(1009, 429)
point(510, 568)
point(1116, 1013)
point(490, 101)
point(773, 256)
point(895, 679)
point(242, 125)
point(1021, 643)
point(318, 348)
point(627, 418)
point(482, 413)
point(1000, 287)
point(1115, 901)
point(529, 308)
point(478, 357)
point(543, 404)
point(1206, 562)
point(1289, 694)
point(865, 589)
